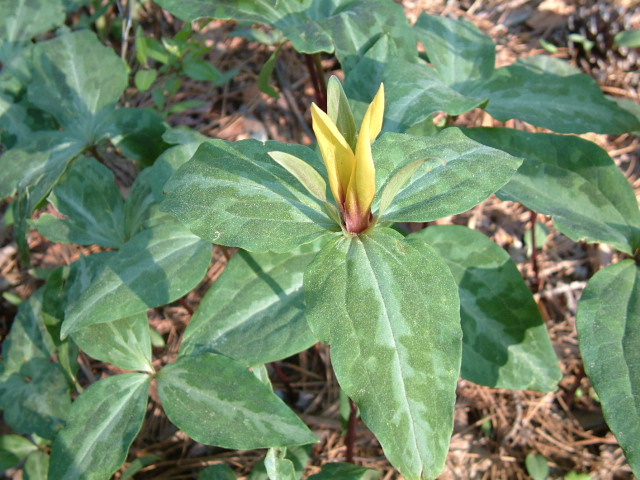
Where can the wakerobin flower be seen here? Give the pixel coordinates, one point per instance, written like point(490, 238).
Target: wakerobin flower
point(352, 175)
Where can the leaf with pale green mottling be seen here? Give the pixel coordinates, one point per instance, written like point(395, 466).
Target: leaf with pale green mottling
point(102, 424)
point(457, 174)
point(155, 267)
point(35, 398)
point(21, 20)
point(299, 456)
point(346, 26)
point(608, 323)
point(76, 77)
point(125, 343)
point(278, 466)
point(92, 204)
point(235, 194)
point(243, 412)
point(28, 337)
point(254, 312)
point(573, 180)
point(390, 311)
point(505, 342)
point(37, 164)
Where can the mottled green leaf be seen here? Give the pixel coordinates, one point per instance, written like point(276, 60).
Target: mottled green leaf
point(37, 164)
point(28, 338)
point(155, 267)
point(346, 471)
point(415, 91)
point(35, 399)
point(609, 332)
point(102, 424)
point(390, 311)
point(278, 466)
point(243, 413)
point(36, 466)
point(565, 104)
point(76, 77)
point(235, 194)
point(92, 204)
point(254, 312)
point(505, 342)
point(21, 20)
point(125, 343)
point(456, 175)
point(312, 26)
point(13, 448)
point(137, 132)
point(459, 51)
point(573, 180)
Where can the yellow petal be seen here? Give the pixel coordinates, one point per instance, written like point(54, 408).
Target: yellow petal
point(336, 152)
point(374, 114)
point(362, 187)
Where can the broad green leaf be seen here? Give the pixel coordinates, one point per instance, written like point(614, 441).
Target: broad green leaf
point(217, 472)
point(505, 342)
point(608, 325)
point(21, 20)
point(75, 78)
point(457, 174)
point(13, 448)
point(136, 132)
point(396, 182)
point(13, 122)
point(235, 194)
point(415, 91)
point(254, 313)
point(573, 180)
point(243, 413)
point(36, 466)
point(312, 26)
point(390, 311)
point(565, 104)
point(345, 471)
point(35, 399)
point(91, 202)
point(278, 466)
point(463, 60)
point(125, 343)
point(37, 164)
point(157, 266)
point(458, 50)
point(102, 424)
point(28, 338)
point(299, 456)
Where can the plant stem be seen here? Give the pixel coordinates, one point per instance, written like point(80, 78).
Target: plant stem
point(315, 72)
point(350, 437)
point(534, 253)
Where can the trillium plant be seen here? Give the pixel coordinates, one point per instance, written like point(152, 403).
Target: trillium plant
point(387, 304)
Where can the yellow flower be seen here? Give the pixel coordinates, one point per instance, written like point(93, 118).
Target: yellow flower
point(352, 175)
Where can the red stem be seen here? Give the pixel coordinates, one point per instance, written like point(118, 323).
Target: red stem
point(291, 393)
point(316, 82)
